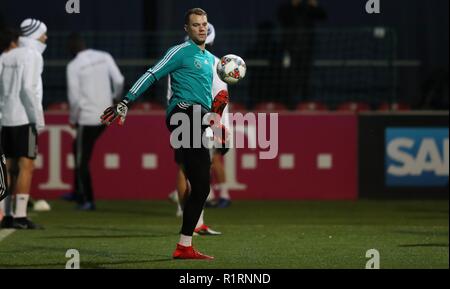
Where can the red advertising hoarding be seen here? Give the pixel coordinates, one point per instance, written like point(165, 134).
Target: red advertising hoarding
point(316, 159)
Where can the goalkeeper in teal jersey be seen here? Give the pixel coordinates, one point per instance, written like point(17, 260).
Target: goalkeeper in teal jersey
point(190, 67)
point(191, 72)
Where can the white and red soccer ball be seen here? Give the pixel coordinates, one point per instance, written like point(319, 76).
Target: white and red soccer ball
point(231, 69)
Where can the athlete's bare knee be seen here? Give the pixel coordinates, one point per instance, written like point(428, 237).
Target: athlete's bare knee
point(26, 165)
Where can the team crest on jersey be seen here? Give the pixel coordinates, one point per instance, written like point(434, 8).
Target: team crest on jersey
point(197, 63)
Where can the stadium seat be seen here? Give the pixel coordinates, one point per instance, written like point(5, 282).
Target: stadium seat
point(353, 106)
point(311, 106)
point(147, 106)
point(270, 106)
point(395, 106)
point(58, 106)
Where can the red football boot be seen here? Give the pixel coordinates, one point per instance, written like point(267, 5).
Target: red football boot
point(182, 252)
point(205, 230)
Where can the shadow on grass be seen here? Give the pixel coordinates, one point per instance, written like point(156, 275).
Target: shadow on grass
point(85, 265)
point(443, 245)
point(119, 211)
point(423, 233)
point(108, 236)
point(99, 229)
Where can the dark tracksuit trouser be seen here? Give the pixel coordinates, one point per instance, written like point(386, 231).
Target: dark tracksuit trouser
point(196, 163)
point(83, 148)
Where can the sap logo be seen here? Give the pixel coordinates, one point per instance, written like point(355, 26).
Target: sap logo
point(417, 157)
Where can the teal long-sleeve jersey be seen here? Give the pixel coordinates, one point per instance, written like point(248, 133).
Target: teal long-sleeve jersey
point(191, 74)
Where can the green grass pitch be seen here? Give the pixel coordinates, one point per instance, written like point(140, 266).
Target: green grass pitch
point(256, 235)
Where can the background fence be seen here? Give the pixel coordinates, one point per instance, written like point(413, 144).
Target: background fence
point(330, 66)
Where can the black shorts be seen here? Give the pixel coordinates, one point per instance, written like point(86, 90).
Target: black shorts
point(188, 110)
point(20, 141)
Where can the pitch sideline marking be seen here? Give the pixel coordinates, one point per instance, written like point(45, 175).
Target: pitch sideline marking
point(5, 233)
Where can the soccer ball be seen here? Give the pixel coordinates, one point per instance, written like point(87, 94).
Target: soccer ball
point(231, 68)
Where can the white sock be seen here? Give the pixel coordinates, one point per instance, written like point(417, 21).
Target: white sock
point(8, 206)
point(21, 205)
point(185, 241)
point(211, 195)
point(223, 191)
point(179, 211)
point(200, 220)
point(2, 207)
point(174, 196)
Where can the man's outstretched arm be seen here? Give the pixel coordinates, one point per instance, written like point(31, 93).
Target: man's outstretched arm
point(170, 62)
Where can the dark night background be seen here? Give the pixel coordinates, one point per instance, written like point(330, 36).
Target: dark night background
point(422, 27)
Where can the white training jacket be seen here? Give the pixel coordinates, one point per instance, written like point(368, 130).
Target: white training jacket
point(93, 81)
point(21, 88)
point(217, 86)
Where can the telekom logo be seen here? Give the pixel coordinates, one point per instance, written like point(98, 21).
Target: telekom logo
point(55, 181)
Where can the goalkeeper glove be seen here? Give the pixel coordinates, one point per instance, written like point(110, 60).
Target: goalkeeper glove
point(220, 132)
point(116, 111)
point(220, 102)
point(221, 138)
